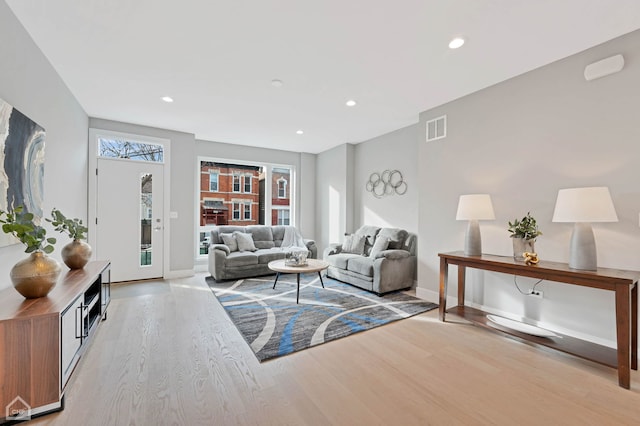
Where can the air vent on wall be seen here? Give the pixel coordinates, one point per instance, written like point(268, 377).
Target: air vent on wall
point(437, 128)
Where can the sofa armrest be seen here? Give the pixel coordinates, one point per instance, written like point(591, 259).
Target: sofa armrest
point(393, 254)
point(313, 249)
point(222, 247)
point(333, 248)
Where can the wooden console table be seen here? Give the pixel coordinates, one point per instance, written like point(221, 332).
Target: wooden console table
point(623, 283)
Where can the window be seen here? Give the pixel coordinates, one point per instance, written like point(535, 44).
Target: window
point(247, 211)
point(282, 188)
point(236, 183)
point(283, 217)
point(130, 150)
point(236, 211)
point(247, 183)
point(214, 178)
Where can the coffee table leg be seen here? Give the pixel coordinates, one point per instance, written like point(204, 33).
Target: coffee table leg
point(298, 293)
point(321, 282)
point(274, 283)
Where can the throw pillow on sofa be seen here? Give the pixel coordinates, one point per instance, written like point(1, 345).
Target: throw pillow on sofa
point(230, 241)
point(381, 244)
point(245, 241)
point(354, 243)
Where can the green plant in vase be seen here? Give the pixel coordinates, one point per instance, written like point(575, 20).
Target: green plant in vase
point(37, 275)
point(77, 253)
point(524, 233)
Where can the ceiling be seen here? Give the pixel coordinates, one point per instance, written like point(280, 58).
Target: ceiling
point(217, 59)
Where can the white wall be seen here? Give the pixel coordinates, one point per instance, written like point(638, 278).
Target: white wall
point(521, 141)
point(30, 84)
point(393, 151)
point(334, 199)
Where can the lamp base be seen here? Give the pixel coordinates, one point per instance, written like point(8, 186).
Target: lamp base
point(582, 250)
point(472, 239)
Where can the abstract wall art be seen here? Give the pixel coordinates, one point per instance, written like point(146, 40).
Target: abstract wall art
point(21, 164)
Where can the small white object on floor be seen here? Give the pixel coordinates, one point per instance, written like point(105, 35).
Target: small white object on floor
point(521, 327)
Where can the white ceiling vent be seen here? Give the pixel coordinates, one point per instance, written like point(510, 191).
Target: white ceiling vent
point(437, 128)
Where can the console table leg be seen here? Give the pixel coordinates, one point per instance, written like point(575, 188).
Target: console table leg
point(462, 272)
point(444, 275)
point(634, 327)
point(623, 332)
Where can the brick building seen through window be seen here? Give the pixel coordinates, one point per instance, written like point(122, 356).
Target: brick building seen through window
point(234, 194)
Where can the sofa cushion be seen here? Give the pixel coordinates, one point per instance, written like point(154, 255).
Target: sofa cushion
point(229, 240)
point(353, 243)
point(227, 229)
point(370, 232)
point(245, 242)
point(278, 234)
point(262, 236)
point(340, 260)
point(396, 237)
point(267, 255)
point(240, 258)
point(361, 265)
point(381, 245)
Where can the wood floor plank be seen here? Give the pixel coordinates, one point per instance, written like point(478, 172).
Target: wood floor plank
point(169, 355)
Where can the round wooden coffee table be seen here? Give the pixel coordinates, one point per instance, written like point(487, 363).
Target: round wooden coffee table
point(312, 265)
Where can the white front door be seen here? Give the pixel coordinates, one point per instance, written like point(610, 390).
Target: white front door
point(129, 218)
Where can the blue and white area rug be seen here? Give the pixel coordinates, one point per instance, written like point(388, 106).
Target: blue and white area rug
point(274, 325)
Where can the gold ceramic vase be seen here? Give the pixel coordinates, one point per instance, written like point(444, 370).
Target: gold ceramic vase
point(76, 254)
point(35, 276)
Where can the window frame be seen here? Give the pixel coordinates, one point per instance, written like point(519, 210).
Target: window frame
point(235, 180)
point(215, 173)
point(247, 178)
point(282, 181)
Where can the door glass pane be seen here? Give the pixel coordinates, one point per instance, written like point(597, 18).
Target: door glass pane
point(146, 211)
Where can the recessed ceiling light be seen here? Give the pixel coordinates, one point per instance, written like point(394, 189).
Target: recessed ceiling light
point(456, 43)
point(299, 132)
point(351, 102)
point(276, 83)
point(168, 99)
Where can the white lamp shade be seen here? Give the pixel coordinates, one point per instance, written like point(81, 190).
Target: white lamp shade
point(475, 207)
point(584, 205)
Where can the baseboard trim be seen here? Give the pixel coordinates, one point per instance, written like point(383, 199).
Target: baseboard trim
point(184, 273)
point(434, 297)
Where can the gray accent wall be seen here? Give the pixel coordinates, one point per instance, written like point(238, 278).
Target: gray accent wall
point(393, 151)
point(31, 84)
point(521, 141)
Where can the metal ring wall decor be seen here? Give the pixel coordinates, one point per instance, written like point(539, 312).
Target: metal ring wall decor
point(388, 182)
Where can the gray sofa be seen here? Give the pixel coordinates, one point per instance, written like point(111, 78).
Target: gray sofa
point(225, 264)
point(392, 268)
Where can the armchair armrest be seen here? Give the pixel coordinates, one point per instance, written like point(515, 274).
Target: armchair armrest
point(221, 247)
point(393, 254)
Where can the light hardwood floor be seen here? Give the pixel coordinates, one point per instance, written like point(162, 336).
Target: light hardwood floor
point(169, 355)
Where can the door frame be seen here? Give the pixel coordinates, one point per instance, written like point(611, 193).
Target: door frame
point(92, 195)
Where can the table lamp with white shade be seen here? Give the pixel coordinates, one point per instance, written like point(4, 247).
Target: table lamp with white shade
point(584, 206)
point(474, 207)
